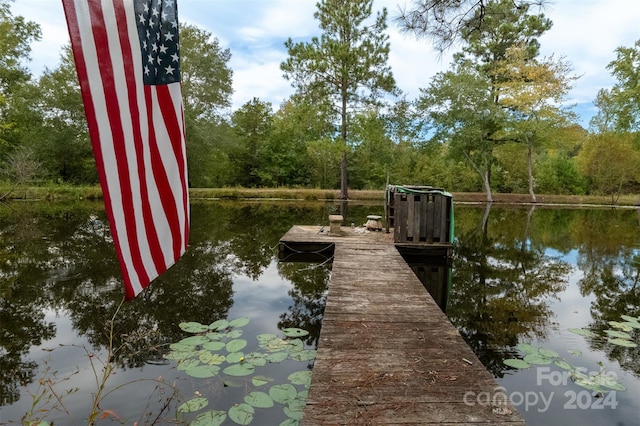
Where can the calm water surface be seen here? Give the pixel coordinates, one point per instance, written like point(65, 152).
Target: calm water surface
point(519, 276)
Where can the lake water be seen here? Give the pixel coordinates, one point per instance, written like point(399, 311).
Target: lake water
point(520, 276)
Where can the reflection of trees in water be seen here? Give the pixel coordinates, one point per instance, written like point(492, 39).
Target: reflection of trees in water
point(309, 296)
point(62, 259)
point(502, 283)
point(609, 259)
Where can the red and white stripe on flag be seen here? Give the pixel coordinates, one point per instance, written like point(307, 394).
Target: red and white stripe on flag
point(127, 59)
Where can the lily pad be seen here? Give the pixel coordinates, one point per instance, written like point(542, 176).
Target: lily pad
point(192, 405)
point(193, 327)
point(239, 370)
point(203, 371)
point(290, 422)
point(630, 318)
point(516, 363)
point(588, 384)
point(575, 352)
point(210, 418)
point(266, 337)
point(294, 411)
point(259, 400)
point(548, 353)
point(618, 334)
point(624, 326)
point(214, 346)
point(239, 322)
point(277, 357)
point(582, 332)
point(194, 340)
point(623, 342)
point(283, 393)
point(526, 348)
point(221, 324)
point(242, 414)
point(211, 358)
point(563, 364)
point(305, 355)
point(233, 334)
point(300, 377)
point(537, 359)
point(257, 359)
point(186, 364)
point(261, 380)
point(234, 383)
point(294, 332)
point(236, 345)
point(235, 357)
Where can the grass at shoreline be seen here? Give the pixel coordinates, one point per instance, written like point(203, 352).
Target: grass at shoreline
point(74, 193)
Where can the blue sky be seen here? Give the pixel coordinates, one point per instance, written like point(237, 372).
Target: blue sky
point(585, 32)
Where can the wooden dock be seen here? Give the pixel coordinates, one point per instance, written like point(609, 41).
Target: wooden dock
point(387, 354)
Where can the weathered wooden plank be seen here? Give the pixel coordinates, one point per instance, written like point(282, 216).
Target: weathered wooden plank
point(424, 201)
point(411, 218)
point(388, 355)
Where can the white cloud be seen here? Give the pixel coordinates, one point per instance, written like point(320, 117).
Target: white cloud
point(585, 32)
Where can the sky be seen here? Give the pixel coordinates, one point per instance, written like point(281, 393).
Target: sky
point(585, 33)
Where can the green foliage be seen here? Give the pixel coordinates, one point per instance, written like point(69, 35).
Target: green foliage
point(345, 69)
point(598, 381)
point(201, 355)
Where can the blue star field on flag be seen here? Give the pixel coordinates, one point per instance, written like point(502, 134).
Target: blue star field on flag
point(157, 22)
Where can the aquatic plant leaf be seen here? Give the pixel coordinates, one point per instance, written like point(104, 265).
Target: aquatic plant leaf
point(266, 337)
point(516, 363)
point(563, 364)
point(234, 383)
point(610, 383)
point(294, 332)
point(630, 318)
point(203, 371)
point(618, 334)
point(210, 418)
point(235, 357)
point(239, 370)
point(221, 324)
point(236, 345)
point(631, 324)
point(211, 358)
point(527, 348)
point(194, 340)
point(180, 347)
point(214, 346)
point(187, 364)
point(548, 353)
point(283, 393)
point(588, 384)
point(621, 325)
point(239, 322)
point(537, 359)
point(259, 400)
point(261, 380)
point(290, 422)
point(582, 332)
point(257, 359)
point(623, 342)
point(305, 355)
point(216, 335)
point(575, 352)
point(277, 356)
point(242, 414)
point(180, 355)
point(294, 411)
point(300, 377)
point(274, 345)
point(193, 327)
point(295, 345)
point(192, 405)
point(234, 334)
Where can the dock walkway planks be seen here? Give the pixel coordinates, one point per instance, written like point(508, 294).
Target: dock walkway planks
point(387, 354)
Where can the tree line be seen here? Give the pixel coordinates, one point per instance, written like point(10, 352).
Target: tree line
point(496, 120)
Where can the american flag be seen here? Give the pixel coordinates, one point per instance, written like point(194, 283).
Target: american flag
point(127, 55)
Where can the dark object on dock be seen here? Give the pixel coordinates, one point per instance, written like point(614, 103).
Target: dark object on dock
point(419, 214)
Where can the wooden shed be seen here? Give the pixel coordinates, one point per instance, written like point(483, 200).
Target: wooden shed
point(419, 215)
